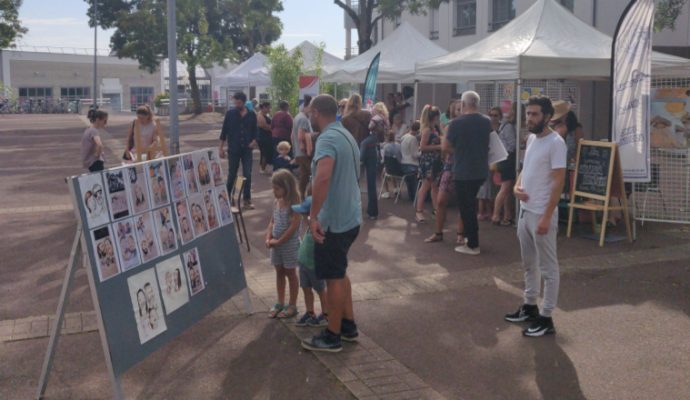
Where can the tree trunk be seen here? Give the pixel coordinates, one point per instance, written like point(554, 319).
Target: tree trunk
point(196, 95)
point(364, 29)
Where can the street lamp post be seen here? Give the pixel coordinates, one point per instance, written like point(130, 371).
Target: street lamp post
point(95, 54)
point(172, 78)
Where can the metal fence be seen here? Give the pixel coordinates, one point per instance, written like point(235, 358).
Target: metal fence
point(44, 105)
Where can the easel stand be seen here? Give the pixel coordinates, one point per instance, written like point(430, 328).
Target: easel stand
point(615, 187)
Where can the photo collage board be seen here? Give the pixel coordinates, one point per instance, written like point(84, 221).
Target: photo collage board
point(146, 224)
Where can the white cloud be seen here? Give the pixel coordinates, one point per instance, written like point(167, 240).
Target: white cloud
point(66, 21)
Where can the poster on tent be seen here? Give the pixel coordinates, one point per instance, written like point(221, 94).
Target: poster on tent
point(670, 118)
point(528, 92)
point(308, 85)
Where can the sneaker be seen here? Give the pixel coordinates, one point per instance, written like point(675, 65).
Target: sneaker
point(540, 327)
point(248, 206)
point(526, 312)
point(308, 319)
point(318, 321)
point(348, 331)
point(386, 195)
point(465, 249)
point(324, 341)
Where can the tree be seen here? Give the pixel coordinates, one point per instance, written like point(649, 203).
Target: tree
point(370, 12)
point(667, 11)
point(208, 31)
point(10, 26)
point(285, 69)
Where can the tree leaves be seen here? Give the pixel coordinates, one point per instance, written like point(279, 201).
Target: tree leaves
point(666, 14)
point(10, 26)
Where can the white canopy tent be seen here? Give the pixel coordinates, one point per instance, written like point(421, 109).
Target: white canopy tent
point(251, 72)
point(309, 55)
point(545, 42)
point(399, 52)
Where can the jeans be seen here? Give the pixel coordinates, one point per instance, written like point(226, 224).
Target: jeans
point(410, 181)
point(234, 159)
point(466, 192)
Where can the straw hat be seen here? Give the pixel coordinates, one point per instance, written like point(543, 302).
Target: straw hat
point(560, 107)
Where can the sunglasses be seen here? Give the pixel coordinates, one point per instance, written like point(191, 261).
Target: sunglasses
point(494, 115)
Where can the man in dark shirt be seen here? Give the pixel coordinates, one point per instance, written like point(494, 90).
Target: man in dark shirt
point(468, 141)
point(239, 130)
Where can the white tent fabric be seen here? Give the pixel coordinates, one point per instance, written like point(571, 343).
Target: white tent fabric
point(249, 73)
point(309, 53)
point(399, 52)
point(545, 42)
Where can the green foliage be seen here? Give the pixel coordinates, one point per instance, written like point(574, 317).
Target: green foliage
point(10, 26)
point(160, 97)
point(285, 69)
point(667, 12)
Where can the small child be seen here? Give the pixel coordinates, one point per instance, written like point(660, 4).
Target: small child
point(282, 238)
point(307, 275)
point(283, 160)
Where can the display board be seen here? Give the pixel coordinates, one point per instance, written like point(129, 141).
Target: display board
point(593, 165)
point(162, 249)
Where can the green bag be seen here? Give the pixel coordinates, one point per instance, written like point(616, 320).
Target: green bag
point(305, 255)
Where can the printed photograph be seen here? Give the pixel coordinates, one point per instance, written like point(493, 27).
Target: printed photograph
point(104, 247)
point(146, 237)
point(216, 168)
point(138, 189)
point(167, 238)
point(93, 200)
point(175, 172)
point(211, 210)
point(117, 193)
point(173, 283)
point(184, 221)
point(224, 209)
point(189, 174)
point(193, 266)
point(197, 210)
point(127, 244)
point(158, 183)
point(203, 173)
point(670, 118)
point(146, 305)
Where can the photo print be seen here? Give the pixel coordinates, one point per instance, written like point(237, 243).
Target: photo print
point(104, 247)
point(146, 305)
point(216, 168)
point(93, 200)
point(138, 189)
point(146, 237)
point(173, 283)
point(197, 209)
point(193, 267)
point(211, 210)
point(175, 172)
point(127, 244)
point(224, 210)
point(189, 174)
point(167, 238)
point(184, 221)
point(203, 172)
point(117, 193)
point(158, 183)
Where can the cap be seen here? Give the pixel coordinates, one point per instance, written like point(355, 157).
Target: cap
point(304, 207)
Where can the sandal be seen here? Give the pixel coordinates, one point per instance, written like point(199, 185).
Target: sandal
point(436, 237)
point(288, 312)
point(419, 217)
point(275, 310)
point(506, 223)
point(461, 239)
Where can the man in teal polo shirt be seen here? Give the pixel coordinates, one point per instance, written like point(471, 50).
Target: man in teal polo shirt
point(335, 217)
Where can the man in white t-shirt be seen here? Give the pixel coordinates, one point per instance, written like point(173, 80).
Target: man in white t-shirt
point(538, 188)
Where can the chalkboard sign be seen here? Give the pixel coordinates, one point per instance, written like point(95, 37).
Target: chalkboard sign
point(593, 166)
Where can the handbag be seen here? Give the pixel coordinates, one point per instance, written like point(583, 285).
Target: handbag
point(497, 152)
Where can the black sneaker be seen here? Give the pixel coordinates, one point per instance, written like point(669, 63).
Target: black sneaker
point(324, 341)
point(540, 327)
point(526, 312)
point(348, 330)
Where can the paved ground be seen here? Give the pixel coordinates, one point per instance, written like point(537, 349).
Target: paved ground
point(431, 319)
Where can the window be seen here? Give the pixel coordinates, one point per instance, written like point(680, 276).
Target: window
point(503, 11)
point(397, 21)
point(569, 4)
point(139, 96)
point(465, 16)
point(75, 93)
point(433, 24)
point(36, 92)
point(375, 34)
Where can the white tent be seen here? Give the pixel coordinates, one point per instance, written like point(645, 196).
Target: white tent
point(309, 53)
point(399, 52)
point(545, 42)
point(251, 72)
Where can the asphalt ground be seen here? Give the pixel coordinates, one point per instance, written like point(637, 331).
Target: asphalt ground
point(622, 318)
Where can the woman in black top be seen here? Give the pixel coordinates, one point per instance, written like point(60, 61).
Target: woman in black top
point(264, 139)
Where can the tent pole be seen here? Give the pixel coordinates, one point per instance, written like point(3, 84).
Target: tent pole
point(518, 126)
point(416, 96)
point(433, 94)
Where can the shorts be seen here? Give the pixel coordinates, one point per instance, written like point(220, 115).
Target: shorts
point(330, 257)
point(507, 168)
point(308, 279)
point(285, 254)
point(446, 183)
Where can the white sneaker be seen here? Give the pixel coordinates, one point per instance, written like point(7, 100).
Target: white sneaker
point(464, 249)
point(386, 195)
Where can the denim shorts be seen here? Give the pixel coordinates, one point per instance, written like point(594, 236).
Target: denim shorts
point(308, 279)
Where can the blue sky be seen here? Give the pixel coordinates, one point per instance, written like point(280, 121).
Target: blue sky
point(64, 23)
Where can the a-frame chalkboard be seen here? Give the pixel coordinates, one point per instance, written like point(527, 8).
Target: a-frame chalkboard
point(598, 177)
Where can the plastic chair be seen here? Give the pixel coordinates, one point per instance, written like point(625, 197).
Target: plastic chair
point(236, 209)
point(392, 170)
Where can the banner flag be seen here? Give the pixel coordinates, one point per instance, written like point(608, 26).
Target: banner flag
point(370, 82)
